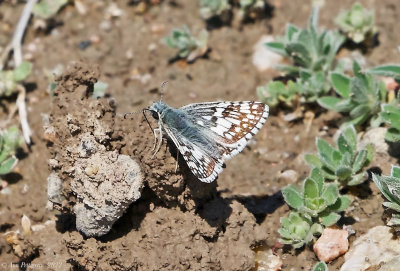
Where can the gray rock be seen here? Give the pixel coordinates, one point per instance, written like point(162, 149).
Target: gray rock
point(105, 184)
point(54, 185)
point(372, 248)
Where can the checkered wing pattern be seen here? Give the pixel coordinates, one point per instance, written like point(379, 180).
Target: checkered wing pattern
point(202, 165)
point(230, 124)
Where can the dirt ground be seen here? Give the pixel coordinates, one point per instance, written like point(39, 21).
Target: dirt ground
point(178, 223)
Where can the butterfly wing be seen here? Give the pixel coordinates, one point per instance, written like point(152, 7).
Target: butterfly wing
point(202, 165)
point(230, 124)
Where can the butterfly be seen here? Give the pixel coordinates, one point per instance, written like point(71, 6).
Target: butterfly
point(207, 134)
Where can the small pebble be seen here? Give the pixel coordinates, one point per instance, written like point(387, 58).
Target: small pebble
point(83, 45)
point(331, 244)
point(288, 176)
point(105, 25)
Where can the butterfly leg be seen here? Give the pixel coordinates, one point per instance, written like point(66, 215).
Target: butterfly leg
point(177, 156)
point(158, 145)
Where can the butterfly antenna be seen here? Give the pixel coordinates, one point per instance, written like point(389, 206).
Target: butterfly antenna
point(133, 113)
point(163, 84)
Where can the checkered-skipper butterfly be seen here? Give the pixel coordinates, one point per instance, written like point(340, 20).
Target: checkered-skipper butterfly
point(207, 134)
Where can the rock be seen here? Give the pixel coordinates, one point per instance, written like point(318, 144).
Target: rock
point(331, 244)
point(376, 136)
point(393, 265)
point(264, 58)
point(54, 185)
point(104, 194)
point(372, 248)
point(267, 261)
point(288, 176)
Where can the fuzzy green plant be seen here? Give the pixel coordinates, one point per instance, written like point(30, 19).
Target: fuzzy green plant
point(188, 46)
point(9, 79)
point(320, 266)
point(315, 205)
point(361, 96)
point(391, 115)
point(390, 112)
point(312, 52)
point(390, 188)
point(212, 8)
point(357, 23)
point(10, 140)
point(276, 92)
point(297, 230)
point(390, 70)
point(317, 200)
point(46, 9)
point(344, 164)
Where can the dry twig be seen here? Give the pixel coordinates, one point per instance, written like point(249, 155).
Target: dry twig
point(16, 47)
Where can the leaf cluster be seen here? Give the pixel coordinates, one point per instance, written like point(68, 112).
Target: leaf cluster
point(316, 205)
point(188, 46)
point(390, 188)
point(10, 140)
point(9, 78)
point(345, 163)
point(361, 96)
point(212, 8)
point(312, 52)
point(357, 23)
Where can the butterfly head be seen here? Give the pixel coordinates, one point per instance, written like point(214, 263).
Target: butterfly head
point(157, 108)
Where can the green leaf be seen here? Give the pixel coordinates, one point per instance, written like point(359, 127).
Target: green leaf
point(387, 185)
point(45, 9)
point(341, 83)
point(330, 219)
point(360, 110)
point(350, 135)
point(299, 53)
point(8, 165)
point(22, 71)
point(316, 175)
point(392, 135)
point(326, 153)
point(313, 160)
point(358, 179)
point(386, 70)
point(343, 172)
point(321, 266)
point(290, 30)
point(310, 189)
point(394, 221)
point(395, 172)
point(370, 154)
point(329, 102)
point(356, 68)
point(392, 205)
point(391, 115)
point(360, 160)
point(330, 193)
point(277, 47)
point(343, 145)
point(293, 196)
point(341, 204)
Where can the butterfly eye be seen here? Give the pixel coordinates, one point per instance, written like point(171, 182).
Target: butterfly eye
point(154, 114)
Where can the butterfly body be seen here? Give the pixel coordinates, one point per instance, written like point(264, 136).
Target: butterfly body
point(207, 134)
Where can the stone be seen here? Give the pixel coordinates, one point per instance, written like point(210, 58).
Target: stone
point(331, 244)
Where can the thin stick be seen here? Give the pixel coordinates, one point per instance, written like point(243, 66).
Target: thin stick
point(16, 46)
point(20, 30)
point(16, 41)
point(23, 116)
